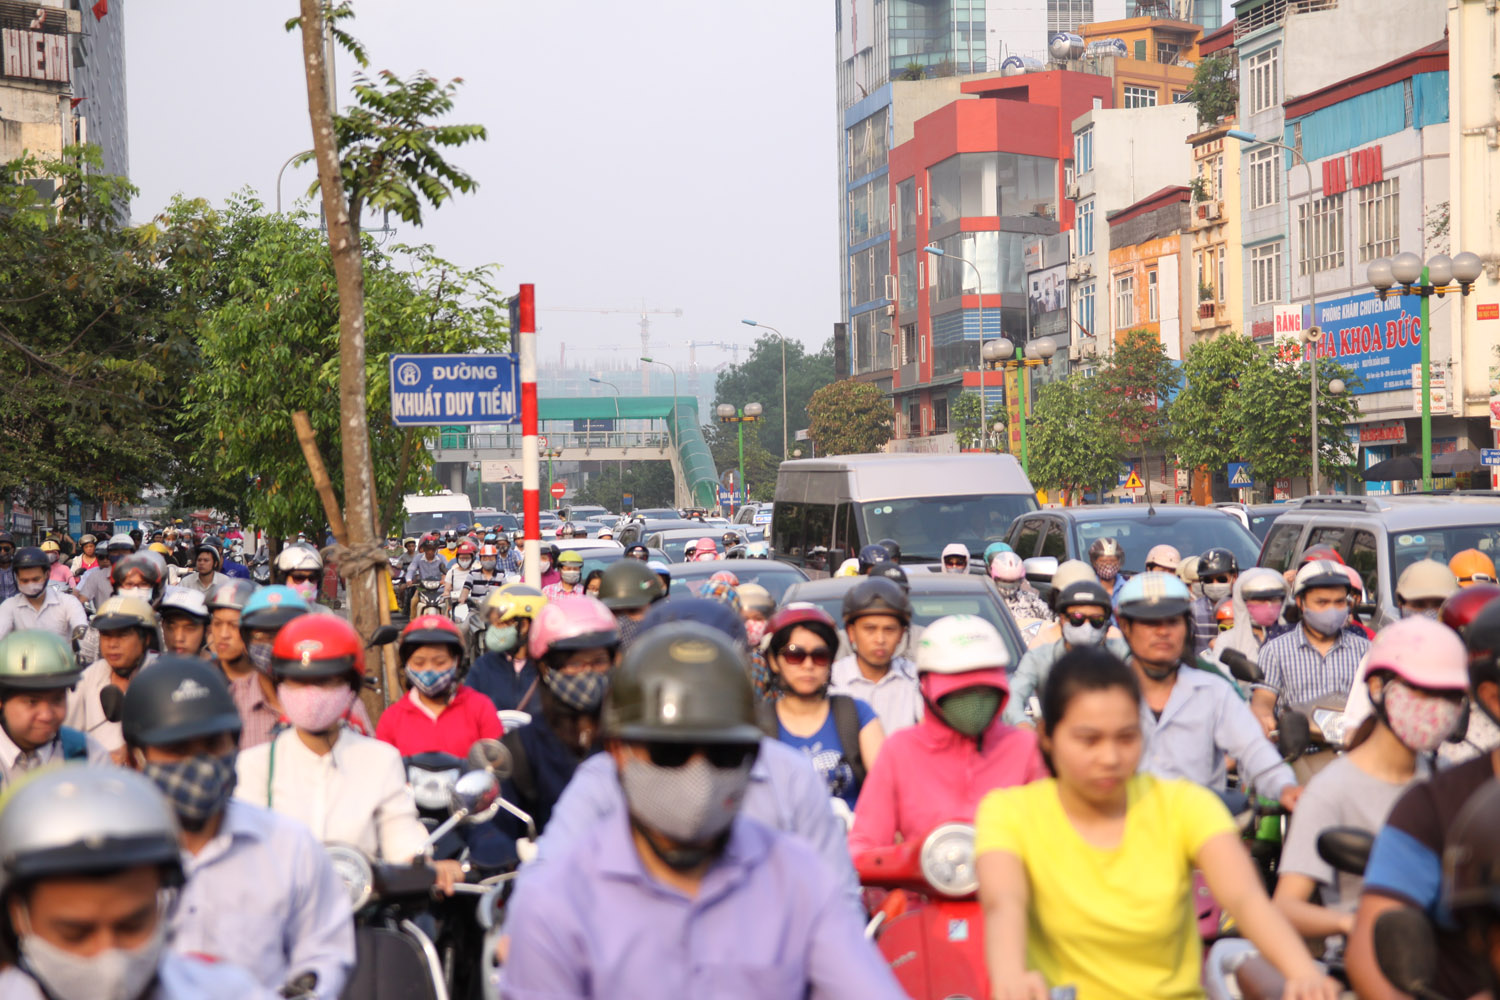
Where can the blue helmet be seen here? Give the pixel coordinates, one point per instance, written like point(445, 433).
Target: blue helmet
point(271, 607)
point(993, 549)
point(1153, 597)
point(872, 555)
point(702, 610)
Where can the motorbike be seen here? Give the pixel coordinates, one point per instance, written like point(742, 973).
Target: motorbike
point(408, 942)
point(428, 599)
point(260, 569)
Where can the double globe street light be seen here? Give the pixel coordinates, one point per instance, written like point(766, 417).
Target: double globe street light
point(728, 414)
point(1001, 354)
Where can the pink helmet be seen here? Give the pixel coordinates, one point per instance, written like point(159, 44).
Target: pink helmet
point(1421, 652)
point(572, 623)
point(727, 577)
point(704, 550)
point(1355, 580)
point(1007, 567)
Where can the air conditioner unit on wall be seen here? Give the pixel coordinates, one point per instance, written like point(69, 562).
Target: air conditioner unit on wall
point(1071, 192)
point(1085, 268)
point(1073, 271)
point(1075, 352)
point(1213, 210)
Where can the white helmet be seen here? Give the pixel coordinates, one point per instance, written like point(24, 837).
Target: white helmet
point(299, 557)
point(1007, 567)
point(955, 549)
point(959, 644)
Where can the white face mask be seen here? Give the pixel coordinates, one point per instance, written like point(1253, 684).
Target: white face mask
point(464, 562)
point(572, 575)
point(112, 974)
point(31, 589)
point(143, 593)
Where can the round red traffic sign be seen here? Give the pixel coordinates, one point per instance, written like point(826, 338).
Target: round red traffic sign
point(558, 489)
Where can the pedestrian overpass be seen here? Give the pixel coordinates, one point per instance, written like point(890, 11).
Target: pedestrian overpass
point(589, 429)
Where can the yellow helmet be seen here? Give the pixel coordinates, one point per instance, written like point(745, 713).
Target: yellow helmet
point(515, 600)
point(160, 549)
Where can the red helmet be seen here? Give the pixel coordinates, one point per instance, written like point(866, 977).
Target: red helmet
point(489, 552)
point(465, 548)
point(572, 623)
point(802, 614)
point(1319, 552)
point(429, 630)
point(314, 646)
point(1463, 605)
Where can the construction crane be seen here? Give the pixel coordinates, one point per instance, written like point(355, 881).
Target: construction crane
point(693, 346)
point(645, 315)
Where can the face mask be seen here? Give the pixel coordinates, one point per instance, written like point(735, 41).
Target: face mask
point(1263, 613)
point(6, 557)
point(112, 974)
point(971, 710)
point(572, 575)
point(52, 557)
point(954, 569)
point(755, 631)
point(501, 638)
point(1106, 573)
point(1083, 635)
point(464, 562)
point(1432, 613)
point(1327, 621)
point(260, 655)
point(197, 787)
point(546, 565)
point(432, 682)
point(313, 708)
point(306, 589)
point(1008, 586)
point(31, 589)
point(689, 804)
point(1420, 722)
point(1217, 592)
point(486, 564)
point(140, 593)
point(581, 692)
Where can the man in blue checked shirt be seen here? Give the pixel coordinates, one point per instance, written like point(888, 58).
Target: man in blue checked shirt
point(681, 895)
point(260, 892)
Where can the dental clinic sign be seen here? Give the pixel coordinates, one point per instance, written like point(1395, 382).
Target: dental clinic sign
point(1378, 341)
point(436, 389)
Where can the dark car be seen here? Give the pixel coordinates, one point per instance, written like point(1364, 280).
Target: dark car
point(635, 530)
point(933, 596)
point(774, 576)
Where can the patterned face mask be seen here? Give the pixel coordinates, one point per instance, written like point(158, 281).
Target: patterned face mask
point(432, 682)
point(582, 692)
point(1420, 721)
point(197, 787)
point(970, 710)
point(690, 804)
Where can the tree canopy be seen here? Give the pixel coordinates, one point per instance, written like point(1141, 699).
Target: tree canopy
point(757, 379)
point(850, 418)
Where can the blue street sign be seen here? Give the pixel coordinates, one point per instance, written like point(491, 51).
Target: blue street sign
point(1489, 456)
point(432, 389)
point(1126, 471)
point(1239, 476)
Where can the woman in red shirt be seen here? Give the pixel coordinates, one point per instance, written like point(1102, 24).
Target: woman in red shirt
point(439, 713)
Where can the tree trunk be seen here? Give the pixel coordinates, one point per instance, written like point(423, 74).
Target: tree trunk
point(348, 269)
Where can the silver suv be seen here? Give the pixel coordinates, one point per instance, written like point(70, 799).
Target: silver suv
point(1381, 536)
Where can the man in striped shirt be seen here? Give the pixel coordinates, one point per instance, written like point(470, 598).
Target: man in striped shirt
point(1318, 656)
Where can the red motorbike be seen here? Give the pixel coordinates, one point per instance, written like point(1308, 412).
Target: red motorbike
point(928, 925)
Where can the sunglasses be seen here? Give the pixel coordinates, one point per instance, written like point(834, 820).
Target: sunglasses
point(302, 577)
point(1075, 619)
point(1226, 626)
point(720, 755)
point(955, 561)
point(1214, 579)
point(796, 656)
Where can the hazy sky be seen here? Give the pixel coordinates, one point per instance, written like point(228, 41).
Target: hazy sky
point(680, 152)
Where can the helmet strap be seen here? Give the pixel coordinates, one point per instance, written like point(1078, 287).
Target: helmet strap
point(1154, 673)
point(683, 857)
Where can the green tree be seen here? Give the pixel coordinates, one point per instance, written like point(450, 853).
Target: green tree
point(1136, 380)
point(849, 418)
point(649, 483)
point(1275, 433)
point(1207, 419)
point(1216, 89)
point(964, 419)
point(1074, 446)
point(757, 379)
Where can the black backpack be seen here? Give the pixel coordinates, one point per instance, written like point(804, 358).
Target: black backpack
point(846, 723)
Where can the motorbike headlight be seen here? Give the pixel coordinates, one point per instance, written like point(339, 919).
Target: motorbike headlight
point(433, 790)
point(1331, 724)
point(353, 870)
point(947, 860)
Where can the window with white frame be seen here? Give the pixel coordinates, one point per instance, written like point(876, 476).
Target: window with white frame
point(1220, 289)
point(1152, 305)
point(1124, 301)
point(1379, 219)
point(1265, 177)
point(1085, 315)
point(1265, 274)
point(1140, 97)
point(1264, 90)
point(1085, 227)
point(1320, 226)
point(1083, 150)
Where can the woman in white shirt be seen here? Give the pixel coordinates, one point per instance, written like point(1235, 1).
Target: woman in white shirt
point(347, 788)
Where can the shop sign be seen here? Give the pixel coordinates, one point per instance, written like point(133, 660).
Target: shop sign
point(1357, 168)
point(1382, 432)
point(34, 55)
point(1378, 341)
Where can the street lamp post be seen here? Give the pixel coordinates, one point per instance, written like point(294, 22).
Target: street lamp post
point(1038, 352)
point(619, 424)
point(288, 163)
point(938, 251)
point(728, 414)
point(1425, 280)
point(1310, 335)
point(782, 338)
point(653, 361)
point(550, 454)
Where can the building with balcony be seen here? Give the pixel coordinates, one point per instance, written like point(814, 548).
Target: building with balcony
point(36, 79)
point(1216, 281)
point(1158, 65)
point(1147, 268)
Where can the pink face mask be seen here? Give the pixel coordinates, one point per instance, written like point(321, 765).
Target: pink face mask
point(313, 708)
point(755, 631)
point(1263, 613)
point(1420, 721)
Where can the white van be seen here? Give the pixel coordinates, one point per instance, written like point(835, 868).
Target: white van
point(437, 512)
point(827, 509)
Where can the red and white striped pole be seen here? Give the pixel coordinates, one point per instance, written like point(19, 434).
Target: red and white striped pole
point(530, 455)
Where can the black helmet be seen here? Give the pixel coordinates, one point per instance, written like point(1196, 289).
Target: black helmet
point(30, 557)
point(628, 585)
point(889, 570)
point(871, 556)
point(1217, 561)
point(892, 547)
point(1483, 639)
point(232, 595)
point(1082, 592)
point(213, 547)
point(730, 538)
point(1471, 863)
point(876, 595)
point(551, 551)
point(682, 683)
point(179, 698)
point(631, 551)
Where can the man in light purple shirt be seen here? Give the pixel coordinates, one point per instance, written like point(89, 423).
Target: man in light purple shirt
point(677, 894)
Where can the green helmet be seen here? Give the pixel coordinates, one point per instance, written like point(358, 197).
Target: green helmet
point(35, 660)
point(682, 683)
point(629, 585)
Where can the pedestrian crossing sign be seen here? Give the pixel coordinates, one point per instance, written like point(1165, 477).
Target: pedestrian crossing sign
point(1239, 476)
point(1134, 482)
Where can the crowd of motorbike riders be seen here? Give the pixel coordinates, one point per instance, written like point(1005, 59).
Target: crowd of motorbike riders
point(697, 787)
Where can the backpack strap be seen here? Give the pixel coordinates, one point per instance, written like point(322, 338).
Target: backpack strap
point(846, 722)
point(521, 774)
point(75, 746)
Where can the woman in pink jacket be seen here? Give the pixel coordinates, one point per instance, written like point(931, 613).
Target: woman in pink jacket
point(939, 769)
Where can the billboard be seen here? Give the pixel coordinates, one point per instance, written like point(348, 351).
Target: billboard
point(1378, 341)
point(1047, 302)
point(856, 27)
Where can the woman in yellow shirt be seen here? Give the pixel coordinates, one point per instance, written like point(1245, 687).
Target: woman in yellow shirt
point(1086, 878)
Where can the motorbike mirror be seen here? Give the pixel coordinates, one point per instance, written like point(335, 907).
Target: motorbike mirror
point(1040, 569)
point(1364, 610)
point(491, 756)
point(79, 631)
point(1241, 667)
point(1406, 950)
point(384, 635)
point(1347, 848)
point(1293, 735)
point(112, 701)
point(474, 795)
